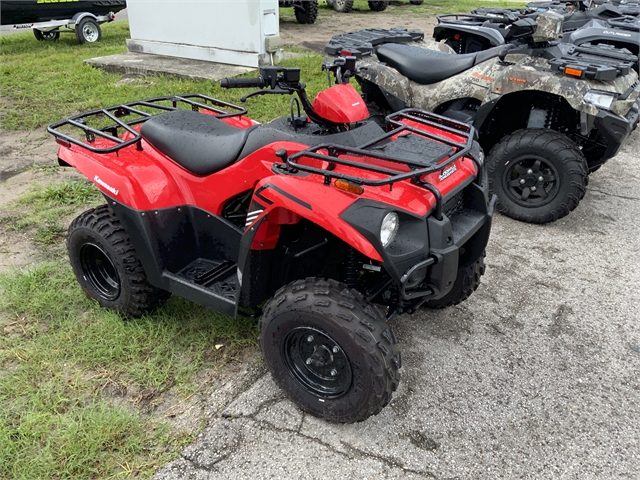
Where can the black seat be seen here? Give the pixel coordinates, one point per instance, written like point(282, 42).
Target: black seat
point(281, 130)
point(202, 144)
point(429, 66)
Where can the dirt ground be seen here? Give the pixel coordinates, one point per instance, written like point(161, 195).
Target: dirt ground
point(20, 152)
point(29, 158)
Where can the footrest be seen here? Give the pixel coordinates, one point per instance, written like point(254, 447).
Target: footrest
point(206, 272)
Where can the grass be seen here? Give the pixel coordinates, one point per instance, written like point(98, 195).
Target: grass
point(42, 209)
point(62, 358)
point(44, 82)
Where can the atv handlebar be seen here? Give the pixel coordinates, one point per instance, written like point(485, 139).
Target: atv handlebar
point(242, 82)
point(286, 81)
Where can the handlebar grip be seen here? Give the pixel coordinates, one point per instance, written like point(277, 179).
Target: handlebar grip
point(242, 82)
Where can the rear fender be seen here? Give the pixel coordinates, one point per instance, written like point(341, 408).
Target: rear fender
point(444, 31)
point(141, 185)
point(388, 80)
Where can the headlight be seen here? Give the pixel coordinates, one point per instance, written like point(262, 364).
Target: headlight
point(600, 99)
point(389, 228)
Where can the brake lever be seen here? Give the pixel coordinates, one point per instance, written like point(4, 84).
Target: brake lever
point(275, 91)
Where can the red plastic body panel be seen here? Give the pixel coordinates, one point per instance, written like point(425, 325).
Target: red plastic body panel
point(341, 104)
point(147, 180)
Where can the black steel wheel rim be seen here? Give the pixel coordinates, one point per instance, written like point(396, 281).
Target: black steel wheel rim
point(99, 271)
point(49, 35)
point(317, 362)
point(531, 181)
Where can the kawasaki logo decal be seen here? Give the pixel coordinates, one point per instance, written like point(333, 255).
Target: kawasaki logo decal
point(448, 172)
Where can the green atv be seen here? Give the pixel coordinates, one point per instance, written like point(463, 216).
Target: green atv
point(548, 114)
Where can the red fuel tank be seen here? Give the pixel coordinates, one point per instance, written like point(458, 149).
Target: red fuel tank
point(341, 104)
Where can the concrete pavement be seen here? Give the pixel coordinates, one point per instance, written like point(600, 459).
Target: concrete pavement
point(535, 376)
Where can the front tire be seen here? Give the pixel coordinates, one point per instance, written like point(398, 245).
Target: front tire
point(538, 175)
point(378, 6)
point(88, 31)
point(467, 282)
point(330, 350)
point(308, 14)
point(106, 266)
point(342, 6)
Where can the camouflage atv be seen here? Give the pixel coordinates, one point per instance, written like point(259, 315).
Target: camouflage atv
point(548, 114)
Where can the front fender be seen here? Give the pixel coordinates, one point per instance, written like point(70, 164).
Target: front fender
point(281, 200)
point(311, 200)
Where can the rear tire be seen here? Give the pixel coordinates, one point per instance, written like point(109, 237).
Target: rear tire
point(106, 265)
point(308, 14)
point(330, 350)
point(342, 6)
point(46, 36)
point(538, 175)
point(466, 283)
point(378, 6)
point(88, 31)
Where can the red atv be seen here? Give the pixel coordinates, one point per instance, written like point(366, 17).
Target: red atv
point(317, 218)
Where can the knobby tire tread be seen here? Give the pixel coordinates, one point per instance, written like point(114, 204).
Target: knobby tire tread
point(308, 15)
point(571, 159)
point(365, 325)
point(144, 297)
point(466, 283)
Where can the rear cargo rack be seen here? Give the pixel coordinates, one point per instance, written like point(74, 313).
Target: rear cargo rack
point(117, 126)
point(361, 42)
point(396, 126)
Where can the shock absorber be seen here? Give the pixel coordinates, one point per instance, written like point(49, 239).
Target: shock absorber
point(552, 114)
point(351, 267)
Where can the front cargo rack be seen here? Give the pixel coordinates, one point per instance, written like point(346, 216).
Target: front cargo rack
point(443, 152)
point(600, 62)
point(141, 110)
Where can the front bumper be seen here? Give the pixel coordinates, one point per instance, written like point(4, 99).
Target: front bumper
point(615, 130)
point(456, 241)
point(424, 259)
